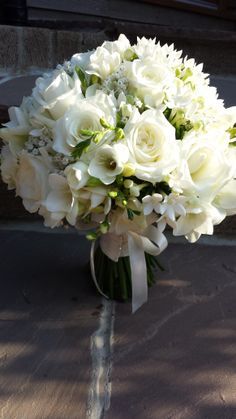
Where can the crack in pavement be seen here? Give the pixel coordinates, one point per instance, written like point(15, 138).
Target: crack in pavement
point(101, 353)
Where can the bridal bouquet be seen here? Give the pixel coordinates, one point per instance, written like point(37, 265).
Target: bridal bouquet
point(122, 141)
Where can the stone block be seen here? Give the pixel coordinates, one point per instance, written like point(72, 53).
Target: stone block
point(37, 49)
point(69, 43)
point(9, 44)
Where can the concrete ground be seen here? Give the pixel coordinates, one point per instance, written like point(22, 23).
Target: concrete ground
point(66, 353)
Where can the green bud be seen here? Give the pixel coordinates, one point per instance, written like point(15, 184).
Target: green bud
point(105, 124)
point(112, 194)
point(119, 134)
point(124, 202)
point(86, 132)
point(98, 137)
point(128, 183)
point(104, 227)
point(91, 236)
point(130, 55)
point(178, 72)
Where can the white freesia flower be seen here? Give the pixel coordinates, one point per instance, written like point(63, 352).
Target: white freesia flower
point(60, 202)
point(108, 162)
point(56, 92)
point(172, 207)
point(32, 181)
point(107, 58)
point(85, 115)
point(9, 167)
point(77, 175)
point(94, 200)
point(199, 219)
point(152, 145)
point(152, 203)
point(165, 55)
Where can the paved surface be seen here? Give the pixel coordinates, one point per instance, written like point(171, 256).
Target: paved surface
point(62, 355)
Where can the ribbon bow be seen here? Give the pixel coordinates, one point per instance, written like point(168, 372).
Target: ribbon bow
point(134, 245)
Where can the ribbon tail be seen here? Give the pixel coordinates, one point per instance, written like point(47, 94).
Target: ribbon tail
point(92, 268)
point(138, 271)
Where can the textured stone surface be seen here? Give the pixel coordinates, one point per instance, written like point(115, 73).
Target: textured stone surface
point(175, 358)
point(69, 43)
point(9, 41)
point(37, 48)
point(24, 49)
point(48, 313)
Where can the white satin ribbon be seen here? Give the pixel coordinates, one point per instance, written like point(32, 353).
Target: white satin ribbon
point(138, 271)
point(134, 245)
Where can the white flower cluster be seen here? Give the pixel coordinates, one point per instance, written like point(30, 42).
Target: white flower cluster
point(125, 132)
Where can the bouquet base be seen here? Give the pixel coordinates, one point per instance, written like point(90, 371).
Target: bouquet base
point(114, 278)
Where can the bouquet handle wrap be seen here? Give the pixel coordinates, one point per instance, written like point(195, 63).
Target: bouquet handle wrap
point(134, 245)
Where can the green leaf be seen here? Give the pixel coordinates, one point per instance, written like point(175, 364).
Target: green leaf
point(232, 132)
point(130, 214)
point(167, 113)
point(82, 78)
point(80, 148)
point(94, 181)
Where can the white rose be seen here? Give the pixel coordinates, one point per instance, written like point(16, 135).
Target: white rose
point(77, 175)
point(82, 59)
point(56, 92)
point(9, 167)
point(86, 114)
point(15, 132)
point(148, 80)
point(226, 199)
point(32, 181)
point(107, 58)
point(152, 145)
point(108, 162)
point(121, 45)
point(103, 63)
point(204, 167)
point(59, 203)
